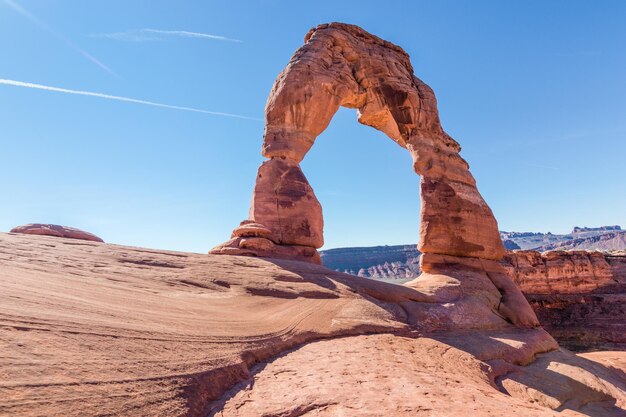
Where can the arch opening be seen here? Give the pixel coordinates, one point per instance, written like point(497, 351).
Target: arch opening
point(365, 184)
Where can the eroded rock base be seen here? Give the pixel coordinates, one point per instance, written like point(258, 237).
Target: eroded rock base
point(467, 291)
point(256, 240)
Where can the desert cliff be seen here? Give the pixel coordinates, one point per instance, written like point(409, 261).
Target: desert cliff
point(579, 296)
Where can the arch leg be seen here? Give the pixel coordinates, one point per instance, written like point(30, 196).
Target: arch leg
point(285, 217)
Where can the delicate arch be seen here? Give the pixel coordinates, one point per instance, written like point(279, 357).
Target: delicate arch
point(343, 65)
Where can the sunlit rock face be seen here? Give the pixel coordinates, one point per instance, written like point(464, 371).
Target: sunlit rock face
point(343, 65)
point(579, 296)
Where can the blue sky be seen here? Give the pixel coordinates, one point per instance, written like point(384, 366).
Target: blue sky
point(534, 91)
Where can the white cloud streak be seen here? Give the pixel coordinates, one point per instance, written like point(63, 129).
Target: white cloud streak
point(149, 35)
point(42, 25)
point(119, 98)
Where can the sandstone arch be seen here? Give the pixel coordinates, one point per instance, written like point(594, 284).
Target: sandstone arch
point(343, 65)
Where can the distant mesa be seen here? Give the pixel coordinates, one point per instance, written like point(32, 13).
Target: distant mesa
point(401, 262)
point(595, 229)
point(55, 230)
point(509, 244)
point(603, 238)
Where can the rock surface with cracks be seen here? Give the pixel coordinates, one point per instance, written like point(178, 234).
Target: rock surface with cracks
point(92, 329)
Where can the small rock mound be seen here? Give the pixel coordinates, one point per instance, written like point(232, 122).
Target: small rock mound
point(55, 230)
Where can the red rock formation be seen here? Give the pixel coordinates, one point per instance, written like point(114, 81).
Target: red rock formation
point(559, 272)
point(342, 65)
point(579, 297)
point(55, 230)
point(470, 290)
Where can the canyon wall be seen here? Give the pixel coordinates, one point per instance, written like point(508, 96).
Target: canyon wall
point(578, 296)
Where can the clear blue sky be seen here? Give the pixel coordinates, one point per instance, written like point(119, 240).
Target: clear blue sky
point(535, 92)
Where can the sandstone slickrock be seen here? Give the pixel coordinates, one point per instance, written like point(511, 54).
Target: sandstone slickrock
point(92, 329)
point(468, 291)
point(327, 378)
point(55, 230)
point(579, 297)
point(343, 65)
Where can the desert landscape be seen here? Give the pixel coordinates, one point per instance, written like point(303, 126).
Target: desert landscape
point(99, 329)
point(471, 321)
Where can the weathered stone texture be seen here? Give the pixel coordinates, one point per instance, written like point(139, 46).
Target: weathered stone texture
point(343, 65)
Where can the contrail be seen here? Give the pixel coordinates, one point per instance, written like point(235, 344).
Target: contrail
point(48, 29)
point(147, 35)
point(119, 98)
point(190, 34)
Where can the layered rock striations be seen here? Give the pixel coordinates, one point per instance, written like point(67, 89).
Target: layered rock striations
point(578, 296)
point(90, 330)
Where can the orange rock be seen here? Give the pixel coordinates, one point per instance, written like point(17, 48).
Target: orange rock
point(94, 329)
point(482, 286)
point(248, 228)
point(560, 272)
point(578, 296)
point(258, 246)
point(284, 202)
point(455, 220)
point(343, 65)
point(55, 230)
